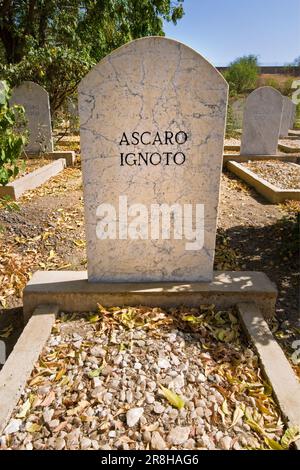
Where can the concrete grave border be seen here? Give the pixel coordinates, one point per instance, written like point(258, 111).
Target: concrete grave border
point(68, 143)
point(271, 192)
point(291, 137)
point(295, 132)
point(282, 147)
point(232, 148)
point(72, 292)
point(246, 158)
point(275, 365)
point(34, 179)
point(68, 155)
point(288, 149)
point(20, 362)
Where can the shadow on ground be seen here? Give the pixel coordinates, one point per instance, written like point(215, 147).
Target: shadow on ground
point(273, 249)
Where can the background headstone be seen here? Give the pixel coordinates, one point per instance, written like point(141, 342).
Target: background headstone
point(35, 101)
point(72, 109)
point(286, 117)
point(238, 112)
point(293, 115)
point(2, 350)
point(151, 85)
point(262, 117)
point(72, 106)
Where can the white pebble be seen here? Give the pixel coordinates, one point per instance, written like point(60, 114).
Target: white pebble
point(163, 363)
point(133, 416)
point(13, 426)
point(179, 435)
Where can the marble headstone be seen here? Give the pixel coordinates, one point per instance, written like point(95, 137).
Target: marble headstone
point(2, 350)
point(35, 101)
point(152, 118)
point(72, 109)
point(72, 106)
point(287, 117)
point(293, 115)
point(262, 117)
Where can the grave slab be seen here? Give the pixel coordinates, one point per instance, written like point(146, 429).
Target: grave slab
point(292, 158)
point(232, 147)
point(20, 362)
point(261, 124)
point(34, 179)
point(289, 149)
point(271, 192)
point(287, 116)
point(238, 112)
point(152, 117)
point(72, 292)
point(295, 133)
point(68, 155)
point(35, 101)
point(276, 367)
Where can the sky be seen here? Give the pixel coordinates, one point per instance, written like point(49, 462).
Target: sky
point(222, 30)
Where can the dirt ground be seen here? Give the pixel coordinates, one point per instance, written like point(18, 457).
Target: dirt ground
point(47, 233)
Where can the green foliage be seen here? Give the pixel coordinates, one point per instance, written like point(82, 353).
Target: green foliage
point(297, 120)
point(55, 43)
point(289, 229)
point(294, 67)
point(8, 204)
point(58, 69)
point(12, 139)
point(285, 87)
point(231, 124)
point(242, 75)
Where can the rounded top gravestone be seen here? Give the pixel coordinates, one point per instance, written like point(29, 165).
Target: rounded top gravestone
point(293, 115)
point(238, 112)
point(261, 123)
point(288, 116)
point(152, 118)
point(35, 101)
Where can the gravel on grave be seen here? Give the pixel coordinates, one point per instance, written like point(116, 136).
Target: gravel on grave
point(103, 381)
point(28, 165)
point(290, 143)
point(232, 141)
point(284, 175)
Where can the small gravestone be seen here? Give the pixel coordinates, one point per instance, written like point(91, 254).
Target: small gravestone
point(293, 115)
point(35, 101)
point(72, 107)
point(152, 118)
point(262, 117)
point(238, 112)
point(287, 117)
point(2, 350)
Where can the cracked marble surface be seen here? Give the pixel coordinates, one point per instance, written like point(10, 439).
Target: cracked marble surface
point(35, 100)
point(152, 84)
point(261, 122)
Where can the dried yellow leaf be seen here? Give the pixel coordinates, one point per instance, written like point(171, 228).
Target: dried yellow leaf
point(172, 397)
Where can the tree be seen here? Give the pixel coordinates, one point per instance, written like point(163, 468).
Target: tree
point(294, 67)
point(55, 43)
point(242, 74)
